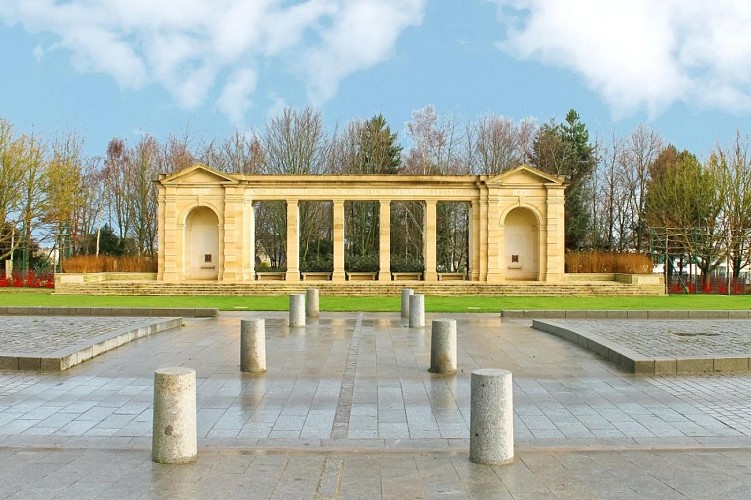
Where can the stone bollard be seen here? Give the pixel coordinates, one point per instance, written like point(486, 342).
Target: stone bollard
point(406, 294)
point(297, 310)
point(174, 438)
point(443, 346)
point(311, 303)
point(416, 311)
point(253, 345)
point(491, 417)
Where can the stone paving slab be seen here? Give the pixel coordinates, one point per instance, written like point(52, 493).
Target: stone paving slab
point(661, 346)
point(130, 474)
point(55, 343)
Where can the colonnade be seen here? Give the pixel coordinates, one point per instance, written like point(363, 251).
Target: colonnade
point(338, 224)
point(207, 224)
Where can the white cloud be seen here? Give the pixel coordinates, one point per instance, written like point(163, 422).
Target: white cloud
point(640, 54)
point(235, 99)
point(188, 47)
point(364, 33)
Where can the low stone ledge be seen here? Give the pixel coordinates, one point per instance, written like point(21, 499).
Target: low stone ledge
point(69, 356)
point(640, 364)
point(108, 311)
point(627, 314)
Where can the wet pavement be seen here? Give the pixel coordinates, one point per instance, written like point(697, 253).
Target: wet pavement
point(348, 409)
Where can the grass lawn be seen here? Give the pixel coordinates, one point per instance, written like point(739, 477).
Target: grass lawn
point(23, 297)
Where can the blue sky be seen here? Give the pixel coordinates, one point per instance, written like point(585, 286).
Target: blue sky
point(118, 68)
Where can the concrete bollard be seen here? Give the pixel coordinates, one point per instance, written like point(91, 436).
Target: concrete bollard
point(253, 345)
point(406, 294)
point(174, 438)
point(297, 310)
point(416, 311)
point(311, 303)
point(443, 346)
point(491, 417)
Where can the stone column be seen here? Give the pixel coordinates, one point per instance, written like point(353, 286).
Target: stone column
point(249, 239)
point(384, 245)
point(417, 311)
point(338, 274)
point(312, 309)
point(443, 346)
point(429, 240)
point(253, 345)
point(293, 241)
point(474, 238)
point(406, 294)
point(174, 438)
point(491, 426)
point(483, 236)
point(297, 310)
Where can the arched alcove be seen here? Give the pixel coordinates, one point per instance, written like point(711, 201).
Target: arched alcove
point(521, 245)
point(202, 256)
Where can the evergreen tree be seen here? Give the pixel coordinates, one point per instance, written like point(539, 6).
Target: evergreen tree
point(378, 152)
point(564, 150)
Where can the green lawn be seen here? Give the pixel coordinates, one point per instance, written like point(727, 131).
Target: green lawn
point(15, 297)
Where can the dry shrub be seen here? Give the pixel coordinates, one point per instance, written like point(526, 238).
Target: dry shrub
point(108, 264)
point(608, 262)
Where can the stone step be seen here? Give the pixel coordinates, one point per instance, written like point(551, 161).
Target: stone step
point(605, 288)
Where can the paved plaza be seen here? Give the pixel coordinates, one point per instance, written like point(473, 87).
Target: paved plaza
point(348, 409)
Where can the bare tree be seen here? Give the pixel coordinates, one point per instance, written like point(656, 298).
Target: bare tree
point(640, 151)
point(499, 144)
point(240, 153)
point(295, 142)
point(735, 175)
point(115, 174)
point(437, 144)
point(140, 193)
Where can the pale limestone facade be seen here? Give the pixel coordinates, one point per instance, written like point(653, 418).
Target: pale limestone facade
point(207, 227)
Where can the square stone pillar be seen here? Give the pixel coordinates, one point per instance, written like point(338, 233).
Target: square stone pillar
point(293, 241)
point(384, 242)
point(496, 273)
point(160, 237)
point(171, 239)
point(555, 234)
point(430, 241)
point(338, 223)
point(233, 234)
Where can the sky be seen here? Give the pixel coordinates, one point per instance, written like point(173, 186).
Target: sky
point(122, 68)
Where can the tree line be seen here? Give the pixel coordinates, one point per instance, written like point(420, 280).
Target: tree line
point(632, 193)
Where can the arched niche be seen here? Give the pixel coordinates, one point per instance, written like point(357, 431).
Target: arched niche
point(202, 254)
point(521, 245)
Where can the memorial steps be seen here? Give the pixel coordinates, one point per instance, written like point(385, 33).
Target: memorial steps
point(361, 288)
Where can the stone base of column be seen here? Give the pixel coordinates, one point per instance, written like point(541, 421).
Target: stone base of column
point(292, 276)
